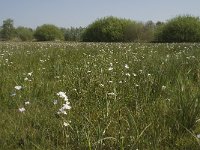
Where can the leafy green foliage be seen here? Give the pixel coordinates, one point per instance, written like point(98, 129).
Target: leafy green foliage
point(110, 29)
point(48, 32)
point(180, 29)
point(24, 34)
point(132, 32)
point(73, 34)
point(8, 30)
point(147, 33)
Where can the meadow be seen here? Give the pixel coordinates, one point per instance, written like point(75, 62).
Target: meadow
point(127, 96)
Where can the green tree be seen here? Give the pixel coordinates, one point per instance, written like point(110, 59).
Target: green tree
point(108, 29)
point(133, 32)
point(48, 32)
point(24, 34)
point(73, 34)
point(147, 33)
point(179, 29)
point(8, 30)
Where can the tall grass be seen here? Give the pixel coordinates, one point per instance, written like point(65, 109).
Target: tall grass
point(122, 96)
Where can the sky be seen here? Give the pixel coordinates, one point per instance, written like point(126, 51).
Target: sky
point(76, 13)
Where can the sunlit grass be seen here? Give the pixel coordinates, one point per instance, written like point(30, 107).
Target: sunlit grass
point(117, 96)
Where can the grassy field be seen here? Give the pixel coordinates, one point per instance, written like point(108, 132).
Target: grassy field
point(56, 96)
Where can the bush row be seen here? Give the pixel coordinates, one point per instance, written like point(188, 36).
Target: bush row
point(46, 32)
point(111, 29)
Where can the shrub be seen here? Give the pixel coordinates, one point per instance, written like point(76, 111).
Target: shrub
point(24, 34)
point(110, 29)
point(48, 32)
point(180, 29)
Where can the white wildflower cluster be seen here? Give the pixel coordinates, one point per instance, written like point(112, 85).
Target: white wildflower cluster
point(22, 109)
point(66, 105)
point(28, 76)
point(18, 88)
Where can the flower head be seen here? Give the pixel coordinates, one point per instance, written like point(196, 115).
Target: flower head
point(22, 109)
point(18, 87)
point(26, 79)
point(110, 68)
point(163, 87)
point(63, 95)
point(27, 103)
point(66, 124)
point(126, 66)
point(30, 73)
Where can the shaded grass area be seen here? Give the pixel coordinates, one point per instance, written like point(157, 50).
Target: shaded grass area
point(122, 96)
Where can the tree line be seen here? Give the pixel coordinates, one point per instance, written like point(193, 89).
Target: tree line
point(110, 29)
point(46, 32)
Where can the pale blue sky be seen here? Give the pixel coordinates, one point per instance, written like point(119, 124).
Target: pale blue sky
point(66, 13)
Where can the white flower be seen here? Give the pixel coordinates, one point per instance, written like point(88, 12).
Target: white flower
point(198, 136)
point(27, 103)
point(66, 124)
point(110, 68)
point(62, 111)
point(66, 106)
point(134, 74)
point(18, 87)
point(30, 73)
point(89, 71)
point(22, 109)
point(63, 95)
point(128, 74)
point(55, 102)
point(101, 85)
point(26, 79)
point(126, 66)
point(163, 87)
point(136, 85)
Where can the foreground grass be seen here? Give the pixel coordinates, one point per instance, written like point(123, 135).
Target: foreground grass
point(122, 96)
